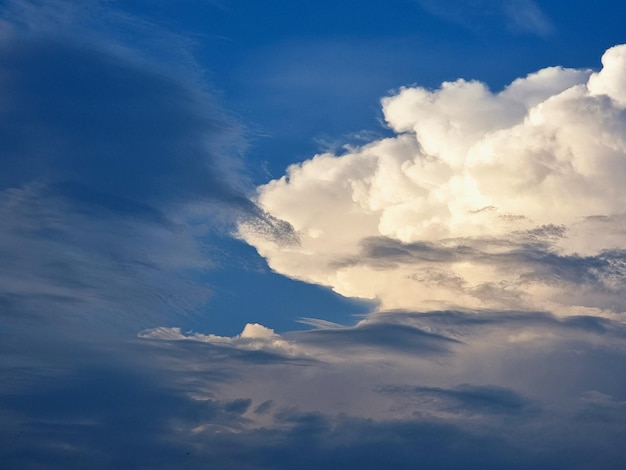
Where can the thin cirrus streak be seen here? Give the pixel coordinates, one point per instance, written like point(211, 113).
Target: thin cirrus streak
point(520, 16)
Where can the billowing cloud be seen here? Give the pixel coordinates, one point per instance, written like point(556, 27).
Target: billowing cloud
point(482, 200)
point(254, 337)
point(504, 389)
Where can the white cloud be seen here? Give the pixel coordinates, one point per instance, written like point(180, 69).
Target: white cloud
point(611, 81)
point(482, 199)
point(254, 337)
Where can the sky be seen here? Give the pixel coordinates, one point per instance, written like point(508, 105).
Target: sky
point(275, 235)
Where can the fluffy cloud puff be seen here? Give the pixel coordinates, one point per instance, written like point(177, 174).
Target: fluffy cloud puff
point(502, 200)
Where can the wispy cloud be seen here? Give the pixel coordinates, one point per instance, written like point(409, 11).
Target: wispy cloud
point(518, 379)
point(114, 164)
point(520, 16)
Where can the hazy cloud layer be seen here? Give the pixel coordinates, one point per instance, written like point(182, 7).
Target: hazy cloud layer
point(540, 389)
point(495, 389)
point(499, 200)
point(451, 389)
point(115, 163)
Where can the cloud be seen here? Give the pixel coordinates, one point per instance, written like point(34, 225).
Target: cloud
point(465, 400)
point(254, 337)
point(404, 351)
point(502, 389)
point(532, 385)
point(520, 16)
point(481, 200)
point(114, 124)
point(369, 338)
point(115, 164)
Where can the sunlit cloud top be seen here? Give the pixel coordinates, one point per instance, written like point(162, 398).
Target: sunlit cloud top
point(511, 199)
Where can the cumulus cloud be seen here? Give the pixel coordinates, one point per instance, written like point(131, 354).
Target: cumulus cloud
point(369, 338)
point(354, 369)
point(113, 167)
point(482, 200)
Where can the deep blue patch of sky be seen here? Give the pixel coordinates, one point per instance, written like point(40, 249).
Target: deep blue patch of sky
point(245, 290)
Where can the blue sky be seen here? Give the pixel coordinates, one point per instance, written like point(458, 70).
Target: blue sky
point(326, 234)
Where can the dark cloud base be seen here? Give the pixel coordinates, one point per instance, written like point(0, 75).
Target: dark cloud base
point(163, 404)
point(133, 429)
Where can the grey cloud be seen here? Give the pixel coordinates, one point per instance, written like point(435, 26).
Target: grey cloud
point(393, 250)
point(238, 406)
point(457, 324)
point(530, 254)
point(83, 116)
point(544, 233)
point(390, 337)
point(200, 352)
point(107, 156)
point(318, 323)
point(304, 424)
point(197, 402)
point(264, 407)
point(103, 418)
point(601, 409)
point(464, 399)
point(62, 262)
point(270, 227)
point(82, 237)
point(314, 441)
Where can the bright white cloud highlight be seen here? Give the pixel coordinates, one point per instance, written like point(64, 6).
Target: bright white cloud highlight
point(482, 199)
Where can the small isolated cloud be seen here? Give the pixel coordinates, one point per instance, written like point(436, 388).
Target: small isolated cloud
point(520, 16)
point(507, 200)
